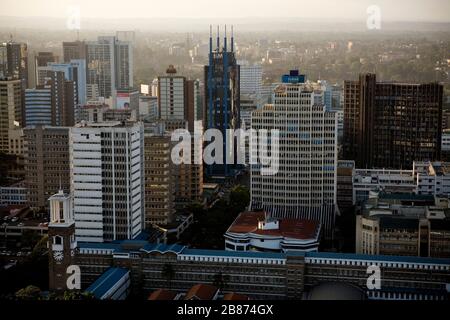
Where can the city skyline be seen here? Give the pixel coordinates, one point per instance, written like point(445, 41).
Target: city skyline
point(186, 158)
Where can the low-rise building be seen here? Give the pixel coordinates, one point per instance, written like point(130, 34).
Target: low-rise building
point(103, 113)
point(14, 194)
point(17, 220)
point(367, 180)
point(402, 224)
point(432, 178)
point(257, 231)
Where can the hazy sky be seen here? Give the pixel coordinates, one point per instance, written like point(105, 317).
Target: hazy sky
point(398, 10)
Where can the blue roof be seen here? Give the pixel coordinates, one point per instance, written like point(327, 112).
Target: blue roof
point(239, 254)
point(142, 236)
point(99, 245)
point(353, 256)
point(163, 248)
point(134, 245)
point(106, 281)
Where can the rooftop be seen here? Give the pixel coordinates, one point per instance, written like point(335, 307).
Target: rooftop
point(252, 222)
point(201, 292)
point(106, 281)
point(236, 254)
point(183, 250)
point(399, 222)
point(235, 296)
point(353, 256)
point(162, 294)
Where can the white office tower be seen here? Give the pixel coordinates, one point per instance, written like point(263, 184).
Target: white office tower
point(107, 172)
point(305, 184)
point(250, 78)
point(171, 95)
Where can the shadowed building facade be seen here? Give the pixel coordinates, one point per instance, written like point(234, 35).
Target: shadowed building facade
point(390, 125)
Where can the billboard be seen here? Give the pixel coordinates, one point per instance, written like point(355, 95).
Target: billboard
point(123, 100)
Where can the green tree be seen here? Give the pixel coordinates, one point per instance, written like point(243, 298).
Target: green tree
point(77, 295)
point(28, 293)
point(239, 198)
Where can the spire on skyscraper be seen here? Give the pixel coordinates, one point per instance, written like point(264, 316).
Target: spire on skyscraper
point(225, 40)
point(232, 39)
point(218, 38)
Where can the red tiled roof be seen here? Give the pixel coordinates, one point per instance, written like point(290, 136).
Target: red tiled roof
point(162, 294)
point(235, 296)
point(247, 222)
point(201, 292)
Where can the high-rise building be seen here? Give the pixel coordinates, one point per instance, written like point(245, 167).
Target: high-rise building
point(250, 78)
point(75, 71)
point(41, 60)
point(177, 98)
point(17, 61)
point(53, 103)
point(159, 177)
point(222, 85)
point(78, 76)
point(47, 166)
point(124, 64)
point(3, 60)
point(390, 125)
point(171, 95)
point(10, 110)
point(38, 106)
point(304, 184)
point(177, 105)
point(107, 180)
point(332, 95)
point(110, 65)
point(63, 98)
point(75, 50)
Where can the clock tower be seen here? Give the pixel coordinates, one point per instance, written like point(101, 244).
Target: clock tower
point(61, 240)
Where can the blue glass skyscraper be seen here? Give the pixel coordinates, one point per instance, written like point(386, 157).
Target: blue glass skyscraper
point(222, 97)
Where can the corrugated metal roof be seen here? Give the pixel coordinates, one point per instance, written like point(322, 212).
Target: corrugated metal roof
point(106, 281)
